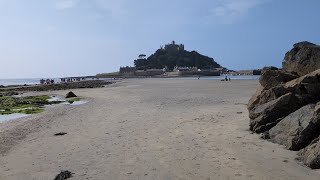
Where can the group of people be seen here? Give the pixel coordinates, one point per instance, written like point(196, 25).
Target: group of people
point(46, 81)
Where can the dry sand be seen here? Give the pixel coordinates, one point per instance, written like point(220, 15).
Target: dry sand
point(148, 129)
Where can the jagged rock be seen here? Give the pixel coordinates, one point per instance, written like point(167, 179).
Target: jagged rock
point(63, 175)
point(302, 59)
point(311, 154)
point(255, 99)
point(263, 115)
point(298, 129)
point(70, 95)
point(307, 88)
point(272, 76)
point(284, 106)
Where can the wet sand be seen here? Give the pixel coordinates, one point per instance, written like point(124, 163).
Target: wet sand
point(148, 129)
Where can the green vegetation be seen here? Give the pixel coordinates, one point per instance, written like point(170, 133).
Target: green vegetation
point(71, 100)
point(27, 105)
point(24, 111)
point(169, 58)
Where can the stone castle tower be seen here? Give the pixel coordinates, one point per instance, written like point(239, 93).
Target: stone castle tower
point(174, 47)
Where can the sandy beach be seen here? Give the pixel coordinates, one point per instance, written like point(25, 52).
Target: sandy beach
point(148, 129)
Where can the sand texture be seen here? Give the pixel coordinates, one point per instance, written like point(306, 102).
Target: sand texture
point(148, 129)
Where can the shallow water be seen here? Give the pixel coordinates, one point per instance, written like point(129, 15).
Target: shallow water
point(4, 118)
point(76, 103)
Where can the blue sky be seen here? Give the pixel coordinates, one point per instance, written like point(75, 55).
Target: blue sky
point(55, 38)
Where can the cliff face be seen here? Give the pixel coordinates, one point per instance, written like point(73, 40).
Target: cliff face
point(169, 58)
point(302, 59)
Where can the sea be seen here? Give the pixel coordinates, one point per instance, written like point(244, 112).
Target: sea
point(32, 81)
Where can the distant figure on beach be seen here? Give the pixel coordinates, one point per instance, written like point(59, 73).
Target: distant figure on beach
point(229, 79)
point(199, 77)
point(226, 79)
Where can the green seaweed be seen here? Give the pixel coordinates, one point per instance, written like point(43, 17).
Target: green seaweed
point(55, 102)
point(31, 111)
point(26, 105)
point(23, 106)
point(6, 112)
point(71, 100)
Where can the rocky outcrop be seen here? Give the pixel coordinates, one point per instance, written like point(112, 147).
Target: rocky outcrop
point(70, 95)
point(273, 76)
point(306, 87)
point(286, 105)
point(311, 154)
point(302, 59)
point(298, 129)
point(265, 116)
point(270, 105)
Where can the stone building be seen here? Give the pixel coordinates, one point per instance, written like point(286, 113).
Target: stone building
point(184, 69)
point(127, 70)
point(173, 47)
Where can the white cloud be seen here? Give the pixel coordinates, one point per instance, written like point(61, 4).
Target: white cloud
point(65, 4)
point(229, 11)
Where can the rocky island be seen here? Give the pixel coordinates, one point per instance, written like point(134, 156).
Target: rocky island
point(172, 55)
point(286, 105)
point(173, 60)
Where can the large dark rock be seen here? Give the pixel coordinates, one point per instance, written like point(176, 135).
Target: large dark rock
point(272, 76)
point(284, 106)
point(265, 116)
point(311, 154)
point(302, 59)
point(254, 100)
point(298, 129)
point(70, 95)
point(63, 175)
point(307, 88)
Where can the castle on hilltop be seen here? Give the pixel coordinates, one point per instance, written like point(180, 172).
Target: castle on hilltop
point(173, 47)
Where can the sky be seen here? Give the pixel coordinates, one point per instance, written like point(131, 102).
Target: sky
point(58, 38)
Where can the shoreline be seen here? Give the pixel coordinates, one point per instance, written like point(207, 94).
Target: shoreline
point(144, 129)
point(111, 79)
point(58, 86)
